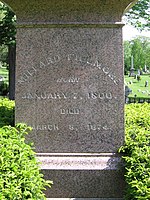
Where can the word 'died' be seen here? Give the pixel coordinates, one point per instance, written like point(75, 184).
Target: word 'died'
point(68, 96)
point(75, 111)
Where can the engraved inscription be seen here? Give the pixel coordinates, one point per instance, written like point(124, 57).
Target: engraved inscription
point(75, 111)
point(68, 80)
point(96, 95)
point(95, 127)
point(27, 75)
point(45, 96)
point(71, 92)
point(46, 127)
point(52, 60)
point(68, 96)
point(96, 64)
point(71, 127)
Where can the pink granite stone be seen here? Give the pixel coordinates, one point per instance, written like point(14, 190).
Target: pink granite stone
point(70, 89)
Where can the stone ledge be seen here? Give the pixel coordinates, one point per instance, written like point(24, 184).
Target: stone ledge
point(79, 161)
point(66, 10)
point(70, 25)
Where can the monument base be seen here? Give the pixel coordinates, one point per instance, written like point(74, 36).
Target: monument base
point(76, 176)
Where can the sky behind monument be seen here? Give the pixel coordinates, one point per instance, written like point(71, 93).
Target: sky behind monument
point(130, 32)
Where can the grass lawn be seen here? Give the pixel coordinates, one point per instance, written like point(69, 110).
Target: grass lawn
point(138, 87)
point(4, 73)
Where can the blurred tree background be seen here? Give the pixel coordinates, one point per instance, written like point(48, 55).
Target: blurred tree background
point(8, 45)
point(139, 48)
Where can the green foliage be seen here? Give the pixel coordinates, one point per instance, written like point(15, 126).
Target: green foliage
point(139, 15)
point(3, 55)
point(4, 73)
point(6, 112)
point(7, 25)
point(127, 56)
point(139, 48)
point(137, 151)
point(20, 175)
point(4, 89)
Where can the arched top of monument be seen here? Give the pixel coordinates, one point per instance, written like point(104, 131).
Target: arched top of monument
point(69, 11)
